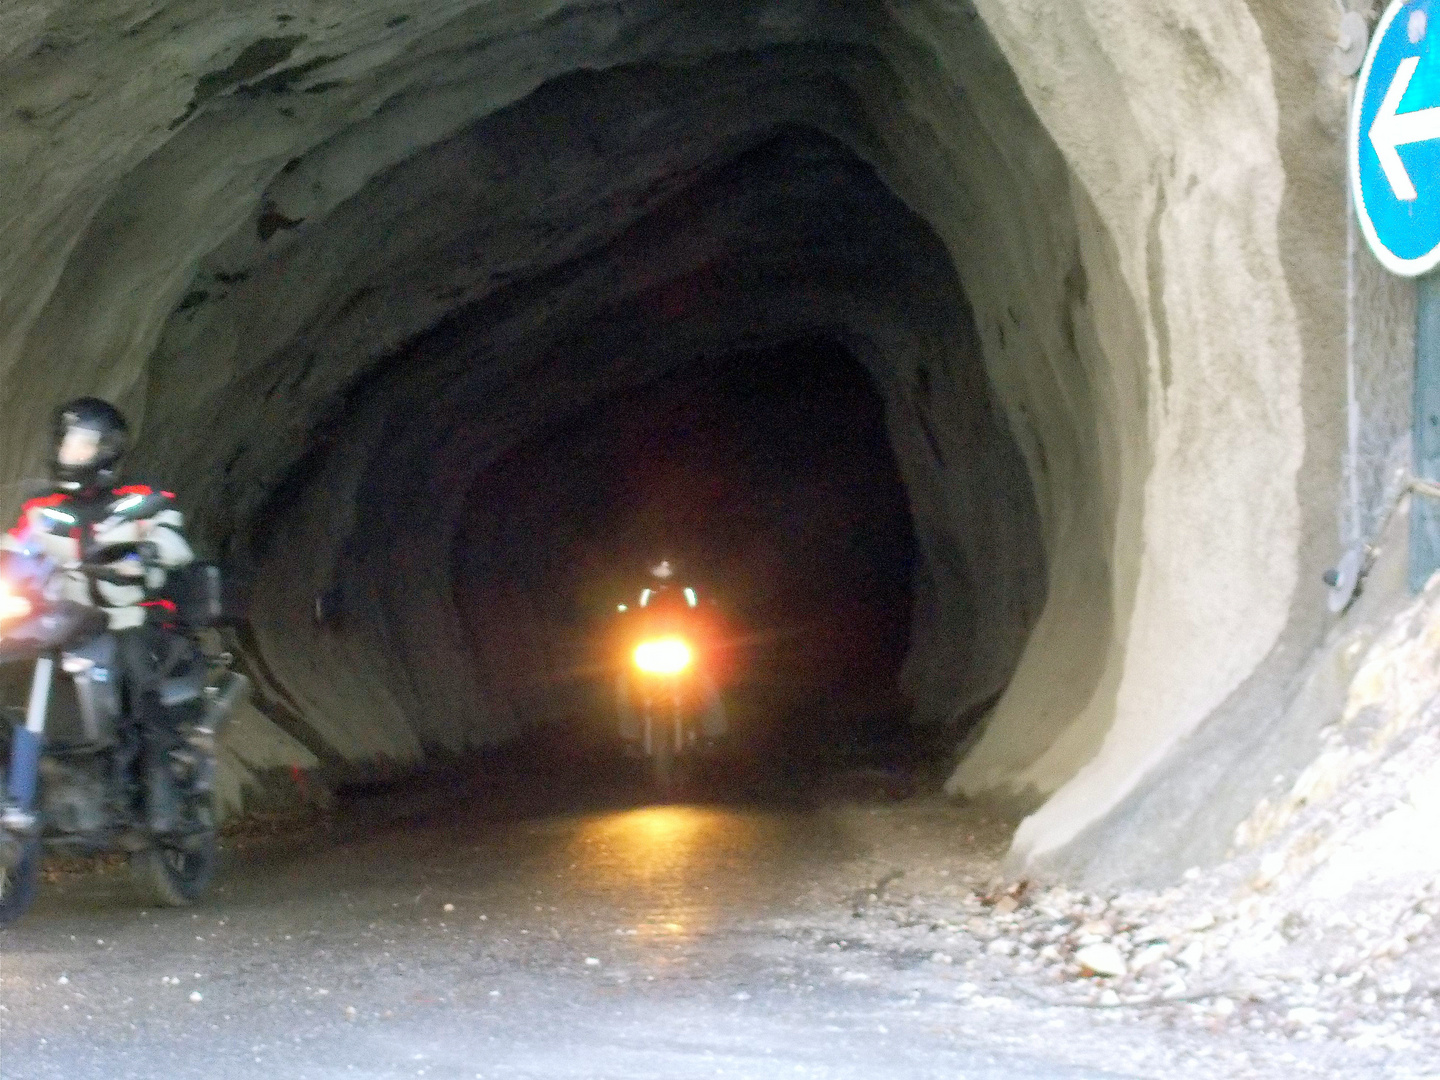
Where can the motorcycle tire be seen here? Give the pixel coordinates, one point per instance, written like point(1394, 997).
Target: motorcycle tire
point(176, 874)
point(19, 883)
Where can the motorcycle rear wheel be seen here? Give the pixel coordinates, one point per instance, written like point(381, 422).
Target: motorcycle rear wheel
point(177, 873)
point(175, 876)
point(19, 883)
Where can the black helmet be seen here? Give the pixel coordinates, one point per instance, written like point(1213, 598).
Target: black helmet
point(90, 436)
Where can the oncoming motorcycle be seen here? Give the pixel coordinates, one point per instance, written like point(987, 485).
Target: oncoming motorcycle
point(674, 709)
point(75, 763)
point(664, 707)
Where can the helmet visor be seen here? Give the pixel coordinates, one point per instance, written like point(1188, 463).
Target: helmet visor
point(79, 447)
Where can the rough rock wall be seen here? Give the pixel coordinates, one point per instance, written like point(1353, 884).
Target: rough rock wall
point(1179, 812)
point(1191, 195)
point(237, 218)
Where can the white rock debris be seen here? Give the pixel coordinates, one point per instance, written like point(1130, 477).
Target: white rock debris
point(1102, 958)
point(1323, 924)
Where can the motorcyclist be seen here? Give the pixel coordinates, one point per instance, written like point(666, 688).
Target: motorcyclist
point(662, 590)
point(74, 522)
point(664, 603)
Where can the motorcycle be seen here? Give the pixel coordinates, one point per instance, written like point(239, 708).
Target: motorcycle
point(76, 778)
point(664, 735)
point(672, 698)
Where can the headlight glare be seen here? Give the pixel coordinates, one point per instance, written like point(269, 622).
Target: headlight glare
point(12, 604)
point(663, 656)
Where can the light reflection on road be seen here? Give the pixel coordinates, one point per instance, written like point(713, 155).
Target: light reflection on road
point(668, 867)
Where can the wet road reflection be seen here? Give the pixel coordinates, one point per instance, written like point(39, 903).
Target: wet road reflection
point(604, 944)
point(676, 870)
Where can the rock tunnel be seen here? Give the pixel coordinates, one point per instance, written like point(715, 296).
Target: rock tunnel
point(343, 262)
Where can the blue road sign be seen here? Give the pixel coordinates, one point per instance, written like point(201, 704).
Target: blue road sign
point(1395, 139)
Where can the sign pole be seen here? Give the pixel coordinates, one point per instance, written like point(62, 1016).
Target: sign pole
point(1425, 513)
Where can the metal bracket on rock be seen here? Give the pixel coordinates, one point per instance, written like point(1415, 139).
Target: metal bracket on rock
point(1345, 578)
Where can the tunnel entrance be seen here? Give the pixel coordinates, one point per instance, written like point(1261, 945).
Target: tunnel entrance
point(767, 476)
point(335, 291)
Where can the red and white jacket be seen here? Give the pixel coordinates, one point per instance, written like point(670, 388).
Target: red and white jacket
point(54, 525)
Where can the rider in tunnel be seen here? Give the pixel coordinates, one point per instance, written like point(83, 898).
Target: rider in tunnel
point(666, 601)
point(73, 523)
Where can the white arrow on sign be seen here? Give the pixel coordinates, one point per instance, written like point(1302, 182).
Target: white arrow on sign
point(1393, 128)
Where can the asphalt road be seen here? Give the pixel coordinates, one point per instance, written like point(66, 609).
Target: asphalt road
point(441, 939)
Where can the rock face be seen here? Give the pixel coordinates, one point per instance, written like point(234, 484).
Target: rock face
point(337, 258)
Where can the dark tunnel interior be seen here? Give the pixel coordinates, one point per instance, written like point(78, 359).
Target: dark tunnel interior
point(767, 476)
